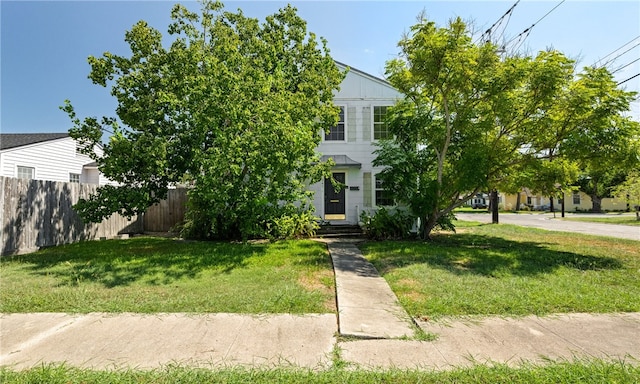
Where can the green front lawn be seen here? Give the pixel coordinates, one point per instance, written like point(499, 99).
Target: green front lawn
point(148, 275)
point(510, 270)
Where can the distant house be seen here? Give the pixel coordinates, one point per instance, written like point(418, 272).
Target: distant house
point(47, 156)
point(363, 100)
point(574, 201)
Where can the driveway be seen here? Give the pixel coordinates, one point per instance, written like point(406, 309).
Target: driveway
point(547, 221)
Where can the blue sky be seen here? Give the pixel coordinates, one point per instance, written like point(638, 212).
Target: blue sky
point(45, 44)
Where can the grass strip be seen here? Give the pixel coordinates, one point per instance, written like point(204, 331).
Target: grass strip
point(596, 371)
point(618, 220)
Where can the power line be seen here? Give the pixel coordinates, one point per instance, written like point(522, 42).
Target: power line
point(625, 66)
point(614, 59)
point(617, 49)
point(486, 35)
point(632, 77)
point(524, 34)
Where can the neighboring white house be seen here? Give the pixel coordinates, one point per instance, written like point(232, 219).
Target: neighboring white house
point(362, 99)
point(47, 156)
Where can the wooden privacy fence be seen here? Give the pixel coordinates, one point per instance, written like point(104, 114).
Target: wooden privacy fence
point(39, 213)
point(165, 215)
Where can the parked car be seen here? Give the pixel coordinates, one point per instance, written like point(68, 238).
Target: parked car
point(545, 207)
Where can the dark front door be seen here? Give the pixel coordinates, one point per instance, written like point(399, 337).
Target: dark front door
point(334, 202)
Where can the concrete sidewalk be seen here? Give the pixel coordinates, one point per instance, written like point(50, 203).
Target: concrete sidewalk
point(511, 341)
point(107, 341)
point(217, 341)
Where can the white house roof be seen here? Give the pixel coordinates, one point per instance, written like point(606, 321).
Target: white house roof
point(14, 140)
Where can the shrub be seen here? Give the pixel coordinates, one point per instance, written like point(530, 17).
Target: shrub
point(259, 220)
point(388, 224)
point(295, 225)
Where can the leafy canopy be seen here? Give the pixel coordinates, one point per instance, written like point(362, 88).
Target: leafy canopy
point(473, 119)
point(587, 128)
point(232, 108)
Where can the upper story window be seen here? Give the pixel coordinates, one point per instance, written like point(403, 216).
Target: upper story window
point(74, 177)
point(380, 128)
point(383, 196)
point(25, 172)
point(336, 133)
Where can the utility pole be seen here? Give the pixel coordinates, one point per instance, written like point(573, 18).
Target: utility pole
point(494, 206)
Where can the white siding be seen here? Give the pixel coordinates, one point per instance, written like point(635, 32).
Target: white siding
point(360, 86)
point(359, 93)
point(52, 160)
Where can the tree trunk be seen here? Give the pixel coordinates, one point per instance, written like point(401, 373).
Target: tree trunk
point(596, 204)
point(518, 201)
point(551, 207)
point(427, 225)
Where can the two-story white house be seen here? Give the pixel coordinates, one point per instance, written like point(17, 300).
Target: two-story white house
point(363, 100)
point(47, 156)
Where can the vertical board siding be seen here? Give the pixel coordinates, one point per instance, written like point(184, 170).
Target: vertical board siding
point(38, 213)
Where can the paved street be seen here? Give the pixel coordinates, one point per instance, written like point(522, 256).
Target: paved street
point(548, 222)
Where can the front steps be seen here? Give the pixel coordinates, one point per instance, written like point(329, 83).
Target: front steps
point(339, 230)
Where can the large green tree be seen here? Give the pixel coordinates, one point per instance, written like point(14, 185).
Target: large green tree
point(231, 107)
point(467, 119)
point(587, 127)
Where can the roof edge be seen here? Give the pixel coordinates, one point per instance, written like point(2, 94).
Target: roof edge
point(17, 140)
point(363, 73)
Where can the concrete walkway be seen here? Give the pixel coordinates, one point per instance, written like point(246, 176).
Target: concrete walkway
point(548, 222)
point(367, 309)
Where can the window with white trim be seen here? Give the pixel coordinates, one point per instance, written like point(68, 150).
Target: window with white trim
point(383, 196)
point(74, 177)
point(380, 128)
point(336, 133)
point(25, 172)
